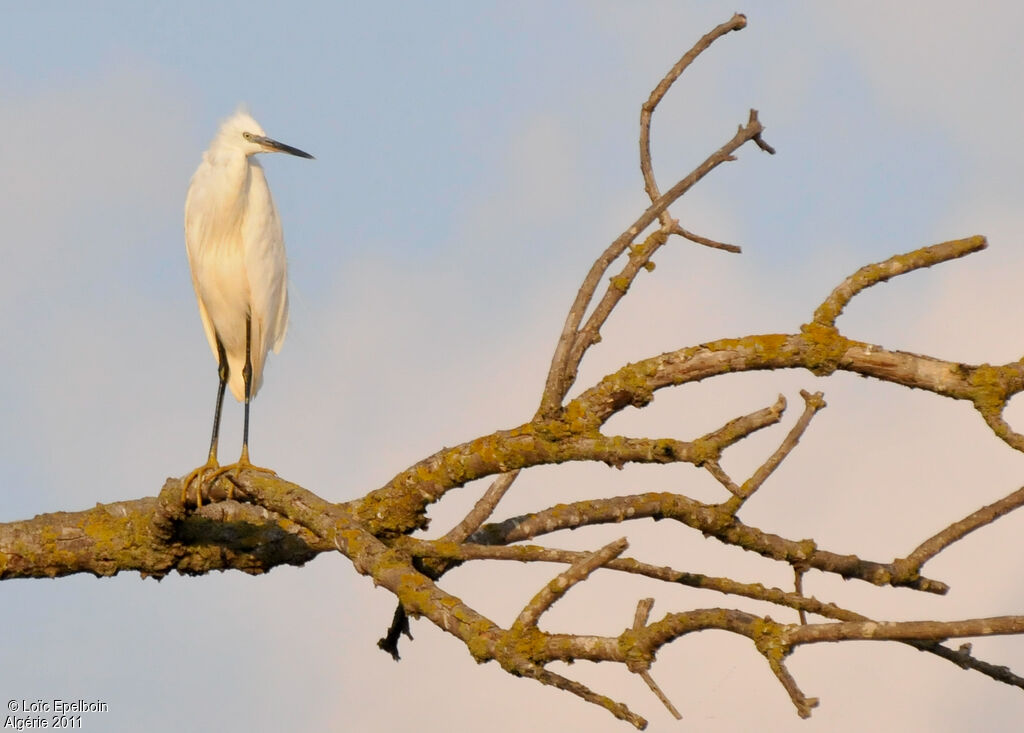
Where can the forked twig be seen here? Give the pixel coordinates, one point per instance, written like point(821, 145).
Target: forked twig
point(570, 349)
point(574, 342)
point(812, 403)
point(735, 23)
point(643, 611)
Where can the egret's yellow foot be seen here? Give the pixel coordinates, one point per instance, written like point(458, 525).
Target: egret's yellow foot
point(243, 464)
point(197, 474)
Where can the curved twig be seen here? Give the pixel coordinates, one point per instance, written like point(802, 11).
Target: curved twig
point(879, 272)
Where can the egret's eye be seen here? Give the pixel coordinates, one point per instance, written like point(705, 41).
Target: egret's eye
point(248, 136)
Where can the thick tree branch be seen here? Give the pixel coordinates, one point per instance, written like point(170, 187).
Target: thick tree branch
point(112, 538)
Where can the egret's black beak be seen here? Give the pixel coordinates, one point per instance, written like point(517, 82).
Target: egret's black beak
point(273, 146)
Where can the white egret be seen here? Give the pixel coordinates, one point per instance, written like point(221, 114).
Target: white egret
point(236, 252)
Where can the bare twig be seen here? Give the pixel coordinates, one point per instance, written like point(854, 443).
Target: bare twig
point(578, 571)
point(482, 509)
point(991, 405)
point(618, 709)
point(958, 530)
point(903, 630)
point(643, 612)
point(803, 704)
point(760, 142)
point(715, 469)
point(698, 239)
point(735, 23)
point(713, 443)
point(798, 586)
point(639, 258)
point(962, 658)
point(879, 272)
point(812, 403)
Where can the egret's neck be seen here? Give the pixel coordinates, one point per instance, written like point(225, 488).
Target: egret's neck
point(225, 180)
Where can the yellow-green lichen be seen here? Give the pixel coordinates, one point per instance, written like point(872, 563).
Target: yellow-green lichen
point(521, 645)
point(702, 451)
point(825, 348)
point(988, 388)
point(620, 283)
point(634, 651)
point(767, 636)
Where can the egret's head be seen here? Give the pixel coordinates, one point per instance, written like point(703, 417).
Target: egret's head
point(241, 133)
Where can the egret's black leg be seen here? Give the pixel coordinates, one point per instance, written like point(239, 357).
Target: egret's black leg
point(211, 461)
point(243, 461)
point(247, 377)
point(222, 375)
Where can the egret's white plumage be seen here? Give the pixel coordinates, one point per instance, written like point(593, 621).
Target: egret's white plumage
point(236, 252)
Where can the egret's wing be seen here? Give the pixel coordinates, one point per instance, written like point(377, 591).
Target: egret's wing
point(267, 271)
point(211, 336)
point(280, 326)
point(193, 231)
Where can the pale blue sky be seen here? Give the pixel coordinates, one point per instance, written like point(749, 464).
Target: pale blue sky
point(472, 160)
